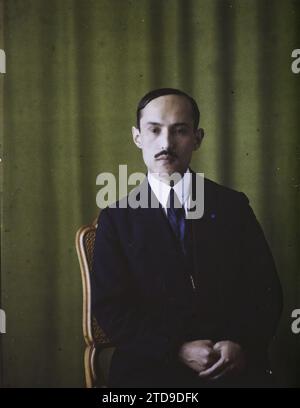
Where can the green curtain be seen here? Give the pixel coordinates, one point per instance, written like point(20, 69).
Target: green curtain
point(75, 71)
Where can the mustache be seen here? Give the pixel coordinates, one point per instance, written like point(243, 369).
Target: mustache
point(165, 151)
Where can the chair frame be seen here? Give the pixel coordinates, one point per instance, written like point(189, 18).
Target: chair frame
point(92, 333)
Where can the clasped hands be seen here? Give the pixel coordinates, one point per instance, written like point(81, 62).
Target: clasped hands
point(213, 361)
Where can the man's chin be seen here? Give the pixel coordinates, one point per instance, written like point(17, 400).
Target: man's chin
point(168, 169)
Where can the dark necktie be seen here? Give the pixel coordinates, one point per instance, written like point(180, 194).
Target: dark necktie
point(176, 216)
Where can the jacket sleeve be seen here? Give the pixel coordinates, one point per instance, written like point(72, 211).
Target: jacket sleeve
point(261, 297)
point(119, 310)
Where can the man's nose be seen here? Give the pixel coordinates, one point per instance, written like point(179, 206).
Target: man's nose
point(167, 138)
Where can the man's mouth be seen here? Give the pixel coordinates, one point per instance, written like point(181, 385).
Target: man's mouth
point(165, 155)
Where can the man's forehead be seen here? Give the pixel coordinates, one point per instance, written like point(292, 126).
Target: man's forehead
point(168, 107)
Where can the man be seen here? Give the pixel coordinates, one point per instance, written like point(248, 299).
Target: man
point(186, 302)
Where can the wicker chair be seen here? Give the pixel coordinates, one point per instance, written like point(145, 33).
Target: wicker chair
point(95, 339)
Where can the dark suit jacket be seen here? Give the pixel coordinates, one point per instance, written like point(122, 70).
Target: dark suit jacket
point(143, 299)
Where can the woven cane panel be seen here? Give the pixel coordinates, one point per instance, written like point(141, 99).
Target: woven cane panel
point(89, 240)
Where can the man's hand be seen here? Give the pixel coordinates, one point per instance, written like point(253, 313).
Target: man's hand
point(199, 354)
point(231, 361)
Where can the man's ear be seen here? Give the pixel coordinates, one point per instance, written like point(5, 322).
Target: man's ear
point(136, 135)
point(199, 135)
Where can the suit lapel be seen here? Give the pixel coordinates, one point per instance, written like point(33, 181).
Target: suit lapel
point(155, 231)
point(205, 241)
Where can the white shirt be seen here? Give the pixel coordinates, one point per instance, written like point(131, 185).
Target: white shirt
point(162, 190)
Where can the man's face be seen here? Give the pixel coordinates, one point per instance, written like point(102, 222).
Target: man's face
point(167, 125)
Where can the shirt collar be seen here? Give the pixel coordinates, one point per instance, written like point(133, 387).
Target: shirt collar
point(162, 190)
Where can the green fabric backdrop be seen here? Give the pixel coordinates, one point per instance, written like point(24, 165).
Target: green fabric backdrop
point(75, 71)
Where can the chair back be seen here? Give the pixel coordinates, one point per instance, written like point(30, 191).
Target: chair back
point(95, 338)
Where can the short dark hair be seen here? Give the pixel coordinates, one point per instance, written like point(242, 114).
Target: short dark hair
point(156, 93)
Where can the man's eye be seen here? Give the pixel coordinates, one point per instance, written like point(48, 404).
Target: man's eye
point(181, 130)
point(155, 130)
